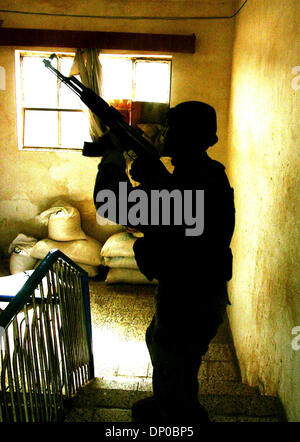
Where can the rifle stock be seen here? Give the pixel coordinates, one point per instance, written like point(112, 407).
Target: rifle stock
point(129, 138)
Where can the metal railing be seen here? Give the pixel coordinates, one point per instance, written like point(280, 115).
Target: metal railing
point(46, 342)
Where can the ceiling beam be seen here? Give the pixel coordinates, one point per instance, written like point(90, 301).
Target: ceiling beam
point(100, 40)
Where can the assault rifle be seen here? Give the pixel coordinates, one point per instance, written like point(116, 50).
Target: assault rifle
point(129, 138)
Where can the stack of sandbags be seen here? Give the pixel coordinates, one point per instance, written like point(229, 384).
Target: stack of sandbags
point(65, 233)
point(20, 254)
point(118, 255)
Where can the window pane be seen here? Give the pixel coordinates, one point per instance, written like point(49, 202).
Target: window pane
point(39, 84)
point(74, 129)
point(68, 99)
point(117, 78)
point(65, 65)
point(152, 81)
point(41, 129)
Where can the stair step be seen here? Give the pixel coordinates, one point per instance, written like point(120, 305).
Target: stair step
point(218, 352)
point(124, 415)
point(144, 384)
point(232, 399)
point(240, 405)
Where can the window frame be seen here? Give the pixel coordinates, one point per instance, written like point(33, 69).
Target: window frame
point(167, 60)
point(21, 109)
point(144, 58)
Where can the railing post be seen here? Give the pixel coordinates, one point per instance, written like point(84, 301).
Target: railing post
point(87, 309)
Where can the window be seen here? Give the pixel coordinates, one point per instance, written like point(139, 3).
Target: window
point(139, 87)
point(138, 79)
point(50, 116)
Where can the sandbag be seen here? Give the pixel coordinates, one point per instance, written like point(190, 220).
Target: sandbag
point(127, 262)
point(20, 254)
point(119, 244)
point(92, 271)
point(127, 276)
point(63, 222)
point(84, 251)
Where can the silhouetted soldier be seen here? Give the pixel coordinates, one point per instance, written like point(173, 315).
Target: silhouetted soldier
point(192, 271)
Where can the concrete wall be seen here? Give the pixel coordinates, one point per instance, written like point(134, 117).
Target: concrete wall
point(264, 169)
point(31, 181)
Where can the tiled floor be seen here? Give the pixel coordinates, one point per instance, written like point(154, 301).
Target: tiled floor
point(120, 316)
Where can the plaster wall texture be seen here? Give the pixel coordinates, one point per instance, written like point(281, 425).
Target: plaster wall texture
point(31, 181)
point(264, 169)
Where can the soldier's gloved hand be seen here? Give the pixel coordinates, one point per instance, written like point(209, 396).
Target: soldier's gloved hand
point(150, 171)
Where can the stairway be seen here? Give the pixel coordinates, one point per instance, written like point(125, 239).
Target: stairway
point(224, 401)
point(125, 378)
point(120, 316)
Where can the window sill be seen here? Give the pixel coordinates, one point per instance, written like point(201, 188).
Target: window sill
point(51, 149)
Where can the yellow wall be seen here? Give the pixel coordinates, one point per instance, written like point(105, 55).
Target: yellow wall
point(31, 181)
point(264, 169)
